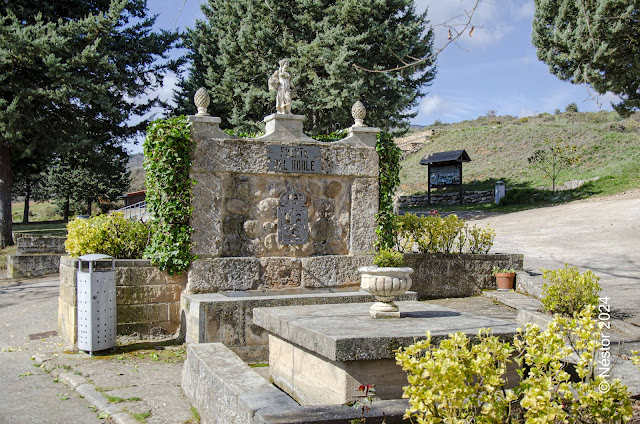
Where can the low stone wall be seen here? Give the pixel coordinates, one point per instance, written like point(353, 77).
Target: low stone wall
point(224, 389)
point(40, 244)
point(36, 256)
point(442, 275)
point(148, 299)
point(473, 197)
point(27, 266)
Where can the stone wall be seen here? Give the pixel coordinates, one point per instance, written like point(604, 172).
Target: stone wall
point(242, 184)
point(34, 265)
point(472, 197)
point(148, 299)
point(36, 256)
point(442, 275)
point(40, 244)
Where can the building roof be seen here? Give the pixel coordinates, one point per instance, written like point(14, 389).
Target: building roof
point(446, 157)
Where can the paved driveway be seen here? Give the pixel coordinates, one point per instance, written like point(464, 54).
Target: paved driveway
point(602, 235)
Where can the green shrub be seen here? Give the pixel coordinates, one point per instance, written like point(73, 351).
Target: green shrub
point(111, 235)
point(463, 381)
point(568, 292)
point(388, 258)
point(479, 240)
point(435, 234)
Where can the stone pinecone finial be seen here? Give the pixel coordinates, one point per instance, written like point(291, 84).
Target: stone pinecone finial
point(201, 100)
point(358, 112)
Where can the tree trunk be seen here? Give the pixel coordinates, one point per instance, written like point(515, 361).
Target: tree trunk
point(27, 198)
point(6, 237)
point(89, 207)
point(65, 216)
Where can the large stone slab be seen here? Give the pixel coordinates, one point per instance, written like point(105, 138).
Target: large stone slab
point(348, 333)
point(249, 156)
point(228, 317)
point(322, 354)
point(333, 270)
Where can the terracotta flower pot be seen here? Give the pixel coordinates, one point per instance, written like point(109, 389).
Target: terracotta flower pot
point(505, 280)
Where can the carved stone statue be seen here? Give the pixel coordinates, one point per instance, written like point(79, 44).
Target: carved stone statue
point(280, 82)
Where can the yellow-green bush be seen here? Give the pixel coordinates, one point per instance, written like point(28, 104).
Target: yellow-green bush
point(568, 292)
point(435, 234)
point(388, 258)
point(463, 381)
point(107, 234)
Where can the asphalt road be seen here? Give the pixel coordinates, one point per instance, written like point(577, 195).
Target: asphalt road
point(28, 316)
point(601, 235)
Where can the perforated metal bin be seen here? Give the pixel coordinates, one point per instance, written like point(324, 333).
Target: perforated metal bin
point(97, 320)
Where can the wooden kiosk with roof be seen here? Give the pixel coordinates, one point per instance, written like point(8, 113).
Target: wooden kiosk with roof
point(445, 170)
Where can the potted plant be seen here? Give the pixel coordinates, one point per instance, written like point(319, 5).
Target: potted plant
point(386, 280)
point(505, 278)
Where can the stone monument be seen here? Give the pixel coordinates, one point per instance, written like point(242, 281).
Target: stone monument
point(282, 210)
point(278, 220)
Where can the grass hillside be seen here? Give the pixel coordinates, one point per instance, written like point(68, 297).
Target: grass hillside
point(608, 146)
point(137, 172)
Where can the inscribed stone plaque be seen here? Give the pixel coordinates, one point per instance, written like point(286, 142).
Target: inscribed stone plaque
point(285, 158)
point(293, 218)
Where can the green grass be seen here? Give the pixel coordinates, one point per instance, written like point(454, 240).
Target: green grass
point(609, 148)
point(142, 416)
point(38, 211)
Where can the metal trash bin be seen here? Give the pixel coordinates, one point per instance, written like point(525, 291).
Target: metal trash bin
point(499, 191)
point(97, 320)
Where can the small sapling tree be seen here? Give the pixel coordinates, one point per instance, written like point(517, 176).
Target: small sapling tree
point(553, 158)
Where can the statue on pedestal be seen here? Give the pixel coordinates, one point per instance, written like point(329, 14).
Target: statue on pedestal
point(280, 82)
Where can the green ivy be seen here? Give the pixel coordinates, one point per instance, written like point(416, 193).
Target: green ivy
point(167, 162)
point(388, 180)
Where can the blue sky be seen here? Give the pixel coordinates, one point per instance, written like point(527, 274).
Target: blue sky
point(495, 69)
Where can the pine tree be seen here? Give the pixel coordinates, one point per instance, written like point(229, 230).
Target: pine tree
point(239, 45)
point(71, 75)
point(594, 42)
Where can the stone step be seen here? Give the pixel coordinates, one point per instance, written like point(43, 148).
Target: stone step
point(227, 317)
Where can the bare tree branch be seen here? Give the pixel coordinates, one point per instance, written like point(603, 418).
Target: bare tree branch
point(175, 23)
point(453, 36)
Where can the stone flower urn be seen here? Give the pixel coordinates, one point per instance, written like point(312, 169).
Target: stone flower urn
point(385, 284)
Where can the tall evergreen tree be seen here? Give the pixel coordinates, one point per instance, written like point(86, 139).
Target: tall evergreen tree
point(238, 46)
point(78, 179)
point(594, 42)
point(71, 74)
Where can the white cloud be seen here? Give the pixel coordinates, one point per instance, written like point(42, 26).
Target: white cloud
point(447, 108)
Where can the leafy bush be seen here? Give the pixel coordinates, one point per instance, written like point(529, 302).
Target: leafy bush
point(435, 234)
point(388, 258)
point(568, 292)
point(111, 235)
point(480, 239)
point(388, 180)
point(462, 382)
point(167, 162)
